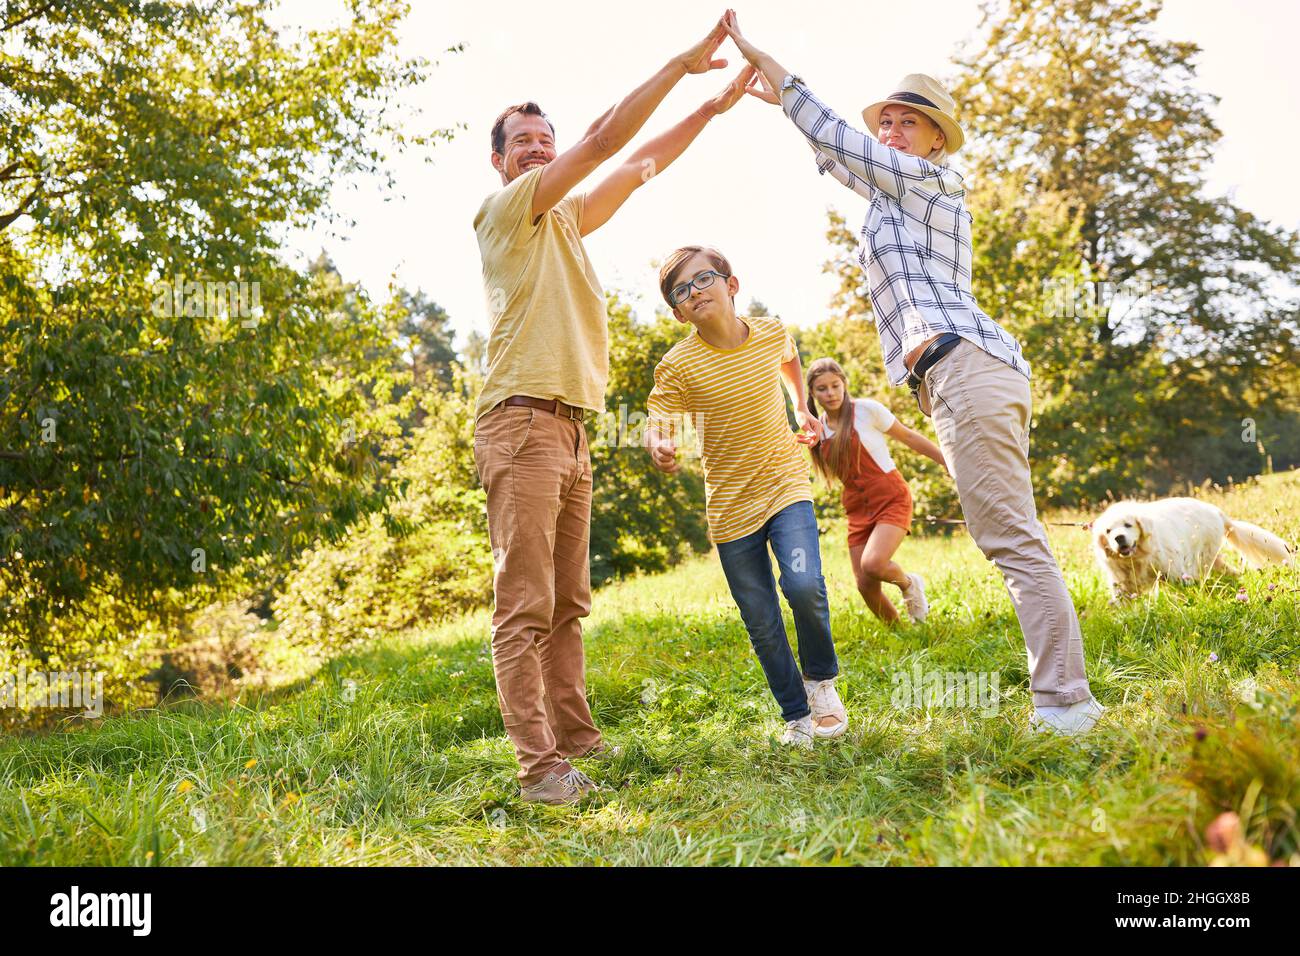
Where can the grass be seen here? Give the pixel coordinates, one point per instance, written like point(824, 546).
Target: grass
point(397, 756)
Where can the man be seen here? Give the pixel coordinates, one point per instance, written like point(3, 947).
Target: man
point(547, 366)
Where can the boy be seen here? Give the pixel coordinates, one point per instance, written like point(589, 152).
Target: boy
point(727, 376)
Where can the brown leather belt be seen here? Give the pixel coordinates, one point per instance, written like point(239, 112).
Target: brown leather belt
point(552, 405)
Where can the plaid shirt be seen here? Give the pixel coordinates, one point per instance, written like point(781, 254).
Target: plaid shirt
point(916, 246)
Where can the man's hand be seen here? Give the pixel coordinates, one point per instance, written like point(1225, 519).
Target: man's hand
point(812, 430)
point(663, 455)
point(731, 93)
point(764, 92)
point(699, 58)
point(656, 156)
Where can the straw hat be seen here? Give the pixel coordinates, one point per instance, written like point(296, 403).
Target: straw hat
point(925, 95)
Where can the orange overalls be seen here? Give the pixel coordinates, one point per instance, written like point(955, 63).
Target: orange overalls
point(872, 496)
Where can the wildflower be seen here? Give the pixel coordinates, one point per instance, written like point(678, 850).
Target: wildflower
point(184, 787)
point(1242, 595)
point(1223, 832)
point(1214, 658)
point(1186, 577)
point(251, 764)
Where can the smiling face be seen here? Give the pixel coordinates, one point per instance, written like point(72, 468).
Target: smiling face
point(907, 130)
point(717, 301)
point(1121, 535)
point(828, 389)
point(529, 142)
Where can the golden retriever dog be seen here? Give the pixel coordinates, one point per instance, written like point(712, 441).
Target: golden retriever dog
point(1181, 539)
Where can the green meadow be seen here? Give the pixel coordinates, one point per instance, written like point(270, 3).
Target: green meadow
point(395, 755)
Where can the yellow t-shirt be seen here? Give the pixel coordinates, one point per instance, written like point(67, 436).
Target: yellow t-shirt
point(753, 467)
point(548, 336)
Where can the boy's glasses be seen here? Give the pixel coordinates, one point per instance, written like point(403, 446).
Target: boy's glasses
point(701, 282)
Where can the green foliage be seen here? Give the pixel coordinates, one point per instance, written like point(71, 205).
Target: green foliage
point(176, 402)
point(642, 520)
point(1086, 165)
point(426, 557)
point(1085, 175)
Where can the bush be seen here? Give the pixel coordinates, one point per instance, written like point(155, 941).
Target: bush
point(425, 558)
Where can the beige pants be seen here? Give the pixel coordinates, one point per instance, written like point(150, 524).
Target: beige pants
point(536, 469)
point(981, 411)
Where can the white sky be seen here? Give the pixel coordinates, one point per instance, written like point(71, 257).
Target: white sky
point(748, 184)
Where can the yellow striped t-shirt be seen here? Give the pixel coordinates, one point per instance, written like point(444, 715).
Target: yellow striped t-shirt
point(753, 467)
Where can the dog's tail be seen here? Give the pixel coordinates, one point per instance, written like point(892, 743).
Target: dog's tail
point(1257, 546)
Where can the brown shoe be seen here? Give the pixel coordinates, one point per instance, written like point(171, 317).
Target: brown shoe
point(565, 786)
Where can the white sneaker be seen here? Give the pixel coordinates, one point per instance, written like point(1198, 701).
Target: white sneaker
point(914, 598)
point(825, 702)
point(1071, 721)
point(798, 733)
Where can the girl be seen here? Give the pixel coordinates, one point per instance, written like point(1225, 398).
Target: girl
point(876, 499)
point(967, 370)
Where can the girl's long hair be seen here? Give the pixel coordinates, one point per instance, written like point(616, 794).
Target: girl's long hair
point(831, 457)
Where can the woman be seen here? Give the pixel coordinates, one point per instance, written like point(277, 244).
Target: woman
point(966, 370)
point(876, 499)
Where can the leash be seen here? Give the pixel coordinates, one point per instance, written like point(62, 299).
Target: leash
point(1060, 524)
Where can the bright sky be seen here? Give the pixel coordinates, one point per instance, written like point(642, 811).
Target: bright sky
point(748, 184)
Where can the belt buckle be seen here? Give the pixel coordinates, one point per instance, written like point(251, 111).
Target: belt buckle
point(572, 410)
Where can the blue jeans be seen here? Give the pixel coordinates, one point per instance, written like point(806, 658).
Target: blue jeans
point(792, 532)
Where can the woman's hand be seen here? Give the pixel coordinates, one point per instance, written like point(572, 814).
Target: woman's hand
point(747, 49)
point(765, 92)
point(772, 72)
point(699, 58)
point(733, 92)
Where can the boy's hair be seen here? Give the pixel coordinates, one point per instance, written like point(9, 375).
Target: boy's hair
point(499, 127)
point(673, 265)
point(830, 457)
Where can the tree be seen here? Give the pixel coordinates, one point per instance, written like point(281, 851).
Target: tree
point(175, 401)
point(426, 328)
point(1159, 308)
point(642, 520)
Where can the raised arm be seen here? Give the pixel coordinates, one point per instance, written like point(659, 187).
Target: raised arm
point(656, 156)
point(620, 123)
point(764, 90)
point(827, 164)
point(860, 155)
